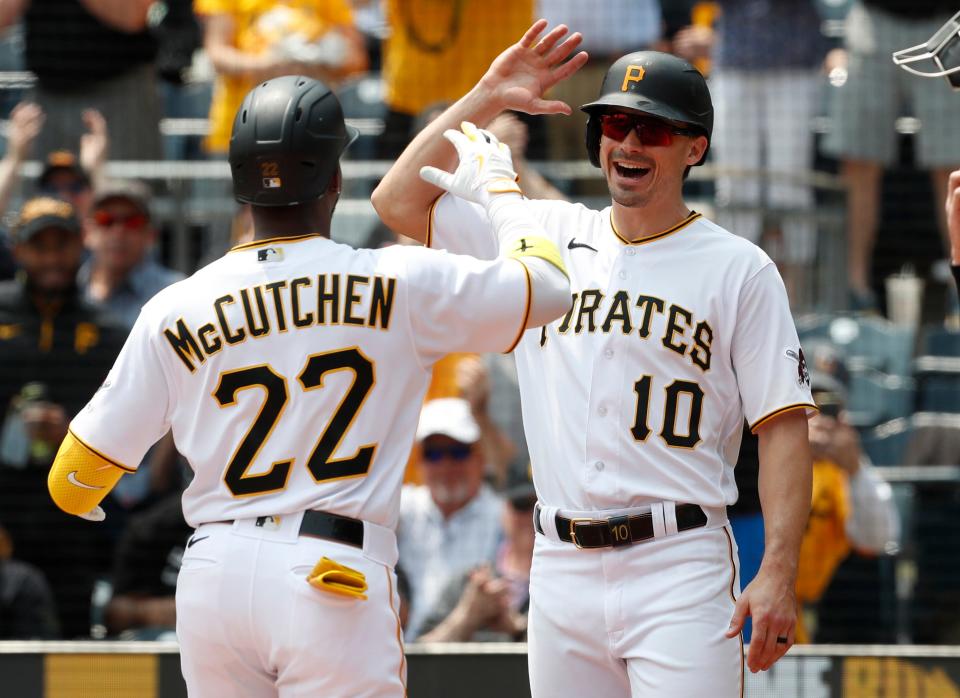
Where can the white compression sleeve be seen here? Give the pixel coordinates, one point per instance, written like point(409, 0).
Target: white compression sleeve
point(523, 237)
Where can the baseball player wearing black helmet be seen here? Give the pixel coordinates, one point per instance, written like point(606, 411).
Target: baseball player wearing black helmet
point(287, 139)
point(657, 84)
point(633, 402)
point(290, 372)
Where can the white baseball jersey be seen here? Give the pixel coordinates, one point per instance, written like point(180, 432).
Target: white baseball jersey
point(639, 393)
point(290, 371)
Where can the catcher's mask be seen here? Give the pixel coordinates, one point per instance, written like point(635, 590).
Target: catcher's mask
point(287, 140)
point(942, 50)
point(654, 83)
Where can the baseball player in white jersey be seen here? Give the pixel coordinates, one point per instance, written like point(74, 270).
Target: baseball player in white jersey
point(291, 372)
point(633, 402)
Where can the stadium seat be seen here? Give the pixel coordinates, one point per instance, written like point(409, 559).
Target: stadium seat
point(866, 342)
point(924, 438)
point(876, 397)
point(938, 392)
point(887, 443)
point(938, 341)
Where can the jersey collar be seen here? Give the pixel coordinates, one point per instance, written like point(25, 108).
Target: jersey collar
point(656, 236)
point(273, 241)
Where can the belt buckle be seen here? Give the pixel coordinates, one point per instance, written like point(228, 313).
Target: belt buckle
point(573, 532)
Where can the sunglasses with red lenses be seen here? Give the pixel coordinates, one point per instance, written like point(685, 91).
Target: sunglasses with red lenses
point(106, 219)
point(650, 131)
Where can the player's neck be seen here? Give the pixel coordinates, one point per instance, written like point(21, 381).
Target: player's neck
point(274, 222)
point(635, 223)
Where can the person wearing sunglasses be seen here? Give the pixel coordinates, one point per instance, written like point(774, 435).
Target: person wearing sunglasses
point(55, 350)
point(121, 274)
point(633, 402)
point(451, 523)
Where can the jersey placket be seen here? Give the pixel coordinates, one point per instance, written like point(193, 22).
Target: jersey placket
point(607, 407)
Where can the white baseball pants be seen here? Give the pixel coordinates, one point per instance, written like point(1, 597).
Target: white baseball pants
point(250, 626)
point(645, 620)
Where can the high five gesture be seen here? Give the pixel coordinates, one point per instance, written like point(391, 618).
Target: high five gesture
point(517, 80)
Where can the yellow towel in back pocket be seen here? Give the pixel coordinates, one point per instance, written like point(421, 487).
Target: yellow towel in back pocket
point(329, 575)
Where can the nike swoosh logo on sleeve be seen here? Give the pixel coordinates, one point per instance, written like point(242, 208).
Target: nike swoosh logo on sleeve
point(572, 245)
point(72, 479)
point(196, 540)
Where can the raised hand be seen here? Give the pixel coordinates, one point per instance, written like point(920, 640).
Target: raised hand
point(952, 205)
point(95, 143)
point(26, 121)
point(485, 168)
point(521, 75)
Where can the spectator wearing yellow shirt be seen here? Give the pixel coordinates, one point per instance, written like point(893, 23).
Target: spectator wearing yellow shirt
point(852, 507)
point(437, 50)
point(252, 40)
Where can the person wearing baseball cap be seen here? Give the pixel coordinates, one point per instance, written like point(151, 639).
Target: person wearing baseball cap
point(631, 441)
point(47, 246)
point(63, 177)
point(490, 603)
point(121, 274)
point(55, 350)
point(451, 523)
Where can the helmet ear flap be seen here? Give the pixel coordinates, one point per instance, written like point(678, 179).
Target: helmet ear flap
point(593, 139)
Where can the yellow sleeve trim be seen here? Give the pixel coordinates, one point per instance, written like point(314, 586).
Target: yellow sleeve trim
point(536, 246)
point(80, 477)
point(526, 312)
point(776, 413)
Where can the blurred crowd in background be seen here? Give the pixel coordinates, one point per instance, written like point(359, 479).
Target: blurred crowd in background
point(824, 153)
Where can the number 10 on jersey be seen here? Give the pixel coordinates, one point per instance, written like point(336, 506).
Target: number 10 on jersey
point(669, 430)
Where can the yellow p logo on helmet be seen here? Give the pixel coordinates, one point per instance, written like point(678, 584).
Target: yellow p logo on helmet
point(634, 73)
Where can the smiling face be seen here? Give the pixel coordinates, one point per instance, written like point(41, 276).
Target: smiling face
point(641, 169)
point(50, 258)
point(118, 234)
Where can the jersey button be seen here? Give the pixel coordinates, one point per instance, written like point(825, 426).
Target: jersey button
point(608, 353)
point(599, 465)
point(631, 251)
point(602, 411)
point(622, 274)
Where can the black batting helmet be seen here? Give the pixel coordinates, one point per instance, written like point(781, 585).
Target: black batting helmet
point(287, 139)
point(653, 83)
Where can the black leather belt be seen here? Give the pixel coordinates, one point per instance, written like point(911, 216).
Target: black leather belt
point(618, 531)
point(323, 524)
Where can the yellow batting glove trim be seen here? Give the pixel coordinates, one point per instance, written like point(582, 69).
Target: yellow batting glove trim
point(80, 477)
point(504, 186)
point(330, 575)
point(470, 131)
point(535, 246)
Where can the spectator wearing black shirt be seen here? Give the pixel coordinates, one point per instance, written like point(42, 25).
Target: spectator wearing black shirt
point(54, 352)
point(145, 569)
point(92, 54)
point(27, 611)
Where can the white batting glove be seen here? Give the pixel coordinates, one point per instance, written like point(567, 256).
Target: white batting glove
point(95, 514)
point(485, 169)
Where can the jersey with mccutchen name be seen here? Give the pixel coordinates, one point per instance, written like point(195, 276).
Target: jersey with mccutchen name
point(291, 372)
point(639, 393)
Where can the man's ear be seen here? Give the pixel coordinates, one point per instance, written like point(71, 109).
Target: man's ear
point(336, 182)
point(698, 146)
